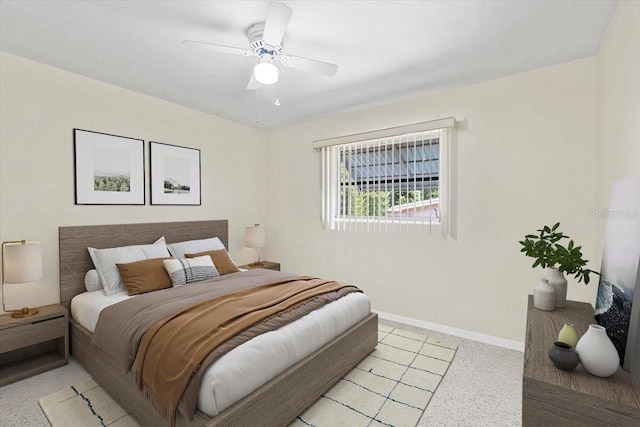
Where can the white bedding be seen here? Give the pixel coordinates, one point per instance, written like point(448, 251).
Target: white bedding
point(257, 361)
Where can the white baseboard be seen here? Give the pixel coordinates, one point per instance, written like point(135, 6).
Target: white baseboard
point(475, 336)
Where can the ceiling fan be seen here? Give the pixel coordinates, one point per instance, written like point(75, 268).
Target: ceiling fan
point(265, 42)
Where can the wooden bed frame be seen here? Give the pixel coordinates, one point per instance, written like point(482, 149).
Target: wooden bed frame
point(276, 403)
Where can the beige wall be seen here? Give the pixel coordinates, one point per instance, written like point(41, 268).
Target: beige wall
point(40, 106)
point(525, 158)
point(530, 151)
point(618, 95)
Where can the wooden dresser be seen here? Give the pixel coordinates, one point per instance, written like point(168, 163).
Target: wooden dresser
point(551, 397)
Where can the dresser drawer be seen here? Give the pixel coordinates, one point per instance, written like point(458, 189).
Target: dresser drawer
point(32, 333)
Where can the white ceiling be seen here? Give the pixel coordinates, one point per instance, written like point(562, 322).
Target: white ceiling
point(385, 50)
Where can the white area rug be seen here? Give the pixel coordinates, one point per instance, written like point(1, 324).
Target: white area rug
point(391, 387)
point(85, 404)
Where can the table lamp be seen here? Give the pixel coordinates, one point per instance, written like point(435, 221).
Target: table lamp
point(256, 237)
point(21, 263)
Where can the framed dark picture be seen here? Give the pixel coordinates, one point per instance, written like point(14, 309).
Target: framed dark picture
point(109, 169)
point(175, 175)
point(618, 301)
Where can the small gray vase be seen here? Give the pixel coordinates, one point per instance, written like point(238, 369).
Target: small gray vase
point(563, 356)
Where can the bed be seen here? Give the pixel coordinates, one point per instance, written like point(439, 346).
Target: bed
point(275, 403)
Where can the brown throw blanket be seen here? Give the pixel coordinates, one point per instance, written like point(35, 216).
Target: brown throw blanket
point(163, 373)
point(121, 326)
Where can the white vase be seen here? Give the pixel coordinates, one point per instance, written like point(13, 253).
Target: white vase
point(559, 283)
point(597, 353)
point(544, 296)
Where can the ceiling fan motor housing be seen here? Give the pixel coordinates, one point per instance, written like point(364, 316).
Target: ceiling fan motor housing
point(258, 45)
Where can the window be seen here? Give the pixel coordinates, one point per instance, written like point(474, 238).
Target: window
point(386, 183)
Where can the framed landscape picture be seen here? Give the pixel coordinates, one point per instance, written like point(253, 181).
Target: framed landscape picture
point(175, 175)
point(109, 169)
point(618, 301)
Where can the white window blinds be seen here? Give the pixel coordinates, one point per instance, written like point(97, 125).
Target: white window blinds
point(386, 184)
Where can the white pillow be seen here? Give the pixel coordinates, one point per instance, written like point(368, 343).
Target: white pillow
point(194, 246)
point(105, 261)
point(190, 270)
point(92, 281)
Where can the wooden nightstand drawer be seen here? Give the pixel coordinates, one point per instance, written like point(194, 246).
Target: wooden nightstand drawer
point(32, 333)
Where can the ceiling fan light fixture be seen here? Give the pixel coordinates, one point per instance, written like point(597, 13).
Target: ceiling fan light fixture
point(266, 72)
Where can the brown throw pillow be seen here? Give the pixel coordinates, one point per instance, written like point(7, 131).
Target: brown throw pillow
point(221, 259)
point(144, 276)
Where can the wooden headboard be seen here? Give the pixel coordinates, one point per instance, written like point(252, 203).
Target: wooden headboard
point(75, 260)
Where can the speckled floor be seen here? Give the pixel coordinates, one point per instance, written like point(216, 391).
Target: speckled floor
point(19, 401)
point(483, 387)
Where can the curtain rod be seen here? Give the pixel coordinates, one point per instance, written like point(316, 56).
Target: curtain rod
point(448, 122)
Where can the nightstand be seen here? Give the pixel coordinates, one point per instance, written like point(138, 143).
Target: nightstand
point(32, 345)
point(265, 264)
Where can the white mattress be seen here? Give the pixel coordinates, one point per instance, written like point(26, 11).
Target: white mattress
point(248, 366)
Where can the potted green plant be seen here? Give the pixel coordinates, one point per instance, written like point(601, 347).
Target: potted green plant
point(548, 252)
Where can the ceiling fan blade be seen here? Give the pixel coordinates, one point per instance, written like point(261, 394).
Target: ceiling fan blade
point(217, 47)
point(307, 64)
point(278, 16)
point(253, 83)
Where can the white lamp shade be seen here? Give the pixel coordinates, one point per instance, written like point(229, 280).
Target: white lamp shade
point(255, 236)
point(22, 262)
point(266, 73)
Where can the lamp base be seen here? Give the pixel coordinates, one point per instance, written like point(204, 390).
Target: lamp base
point(257, 264)
point(25, 312)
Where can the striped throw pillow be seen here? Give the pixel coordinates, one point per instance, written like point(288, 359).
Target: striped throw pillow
point(183, 271)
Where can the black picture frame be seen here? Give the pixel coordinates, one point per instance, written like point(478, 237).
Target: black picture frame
point(108, 169)
point(175, 175)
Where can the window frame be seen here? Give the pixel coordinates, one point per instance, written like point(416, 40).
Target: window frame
point(330, 169)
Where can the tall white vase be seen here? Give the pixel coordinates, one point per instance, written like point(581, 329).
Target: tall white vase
point(597, 353)
point(558, 282)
